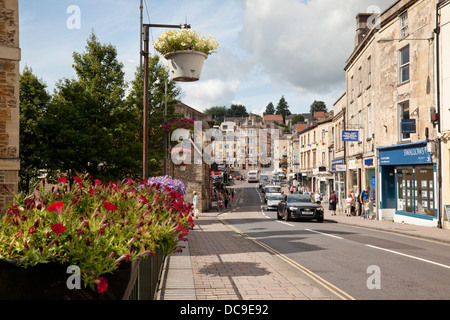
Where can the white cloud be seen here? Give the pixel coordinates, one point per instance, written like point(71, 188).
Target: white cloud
point(304, 44)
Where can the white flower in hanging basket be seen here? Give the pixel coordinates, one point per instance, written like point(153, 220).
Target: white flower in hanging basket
point(186, 50)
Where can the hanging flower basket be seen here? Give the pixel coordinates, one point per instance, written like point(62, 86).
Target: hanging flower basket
point(186, 50)
point(186, 66)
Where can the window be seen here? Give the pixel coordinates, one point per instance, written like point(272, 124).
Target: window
point(369, 120)
point(403, 114)
point(404, 25)
point(404, 65)
point(369, 71)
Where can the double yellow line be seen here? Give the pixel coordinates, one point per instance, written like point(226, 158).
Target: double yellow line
point(327, 285)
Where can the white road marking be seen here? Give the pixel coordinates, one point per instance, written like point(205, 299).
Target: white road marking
point(409, 256)
point(288, 224)
point(325, 234)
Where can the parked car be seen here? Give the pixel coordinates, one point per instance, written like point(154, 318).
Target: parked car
point(262, 185)
point(298, 206)
point(273, 200)
point(276, 182)
point(239, 177)
point(271, 190)
point(263, 180)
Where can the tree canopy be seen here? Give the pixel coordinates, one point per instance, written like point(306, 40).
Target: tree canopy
point(318, 106)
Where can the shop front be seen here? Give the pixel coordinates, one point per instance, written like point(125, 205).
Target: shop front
point(408, 184)
point(339, 169)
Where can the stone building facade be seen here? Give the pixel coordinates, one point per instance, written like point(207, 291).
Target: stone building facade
point(9, 99)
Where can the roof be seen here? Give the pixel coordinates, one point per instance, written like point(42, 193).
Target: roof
point(273, 117)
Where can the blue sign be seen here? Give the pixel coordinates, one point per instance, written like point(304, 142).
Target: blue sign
point(408, 126)
point(405, 155)
point(350, 136)
point(373, 182)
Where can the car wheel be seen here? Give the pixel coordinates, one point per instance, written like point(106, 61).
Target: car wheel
point(320, 220)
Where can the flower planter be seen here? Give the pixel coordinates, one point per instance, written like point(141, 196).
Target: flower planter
point(186, 66)
point(49, 282)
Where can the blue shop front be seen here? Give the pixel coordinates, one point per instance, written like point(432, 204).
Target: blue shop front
point(408, 186)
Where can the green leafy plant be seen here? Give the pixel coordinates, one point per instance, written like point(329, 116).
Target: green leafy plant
point(95, 226)
point(185, 39)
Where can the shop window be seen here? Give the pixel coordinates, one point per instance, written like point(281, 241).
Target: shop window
point(415, 191)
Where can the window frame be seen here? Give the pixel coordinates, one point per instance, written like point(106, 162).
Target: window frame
point(404, 65)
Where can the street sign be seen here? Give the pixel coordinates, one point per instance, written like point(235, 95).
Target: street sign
point(350, 136)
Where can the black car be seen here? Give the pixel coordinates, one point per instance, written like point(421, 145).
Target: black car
point(298, 206)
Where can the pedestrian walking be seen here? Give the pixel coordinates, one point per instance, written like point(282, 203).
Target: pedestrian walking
point(318, 197)
point(363, 196)
point(195, 203)
point(333, 199)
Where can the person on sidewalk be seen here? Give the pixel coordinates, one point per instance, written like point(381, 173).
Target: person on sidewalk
point(195, 203)
point(364, 195)
point(349, 205)
point(353, 208)
point(318, 197)
point(333, 199)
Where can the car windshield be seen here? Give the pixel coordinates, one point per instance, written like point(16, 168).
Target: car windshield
point(300, 199)
point(276, 197)
point(273, 190)
point(265, 178)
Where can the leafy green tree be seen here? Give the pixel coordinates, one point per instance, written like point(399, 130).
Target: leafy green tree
point(270, 109)
point(237, 110)
point(283, 108)
point(89, 126)
point(34, 101)
point(218, 113)
point(298, 118)
point(318, 106)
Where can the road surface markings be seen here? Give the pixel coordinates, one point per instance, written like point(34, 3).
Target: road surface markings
point(325, 234)
point(409, 256)
point(288, 224)
point(324, 283)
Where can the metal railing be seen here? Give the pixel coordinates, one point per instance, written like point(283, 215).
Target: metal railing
point(148, 278)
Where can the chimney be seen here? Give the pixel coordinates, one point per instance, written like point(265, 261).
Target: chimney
point(361, 27)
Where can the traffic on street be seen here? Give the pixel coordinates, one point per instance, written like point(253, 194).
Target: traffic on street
point(349, 261)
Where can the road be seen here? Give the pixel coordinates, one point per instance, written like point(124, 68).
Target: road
point(352, 262)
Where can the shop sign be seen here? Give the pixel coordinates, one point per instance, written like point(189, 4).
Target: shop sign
point(368, 162)
point(334, 165)
point(353, 164)
point(341, 167)
point(350, 136)
point(404, 156)
point(408, 126)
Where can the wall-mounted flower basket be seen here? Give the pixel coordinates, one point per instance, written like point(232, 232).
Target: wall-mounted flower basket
point(186, 66)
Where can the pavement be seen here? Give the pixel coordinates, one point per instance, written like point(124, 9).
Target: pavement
point(219, 263)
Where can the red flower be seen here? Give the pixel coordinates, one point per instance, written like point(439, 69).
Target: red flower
point(102, 285)
point(56, 207)
point(101, 231)
point(58, 228)
point(98, 182)
point(125, 256)
point(78, 179)
point(109, 206)
point(143, 199)
point(62, 180)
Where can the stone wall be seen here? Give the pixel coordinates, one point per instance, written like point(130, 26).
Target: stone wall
point(9, 99)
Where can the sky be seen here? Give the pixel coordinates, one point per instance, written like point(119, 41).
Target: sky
point(268, 48)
